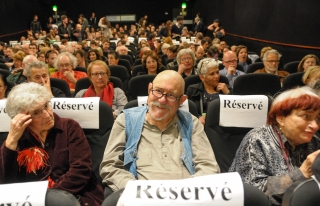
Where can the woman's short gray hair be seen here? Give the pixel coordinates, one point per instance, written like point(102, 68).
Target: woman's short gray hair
point(73, 60)
point(205, 64)
point(23, 96)
point(184, 52)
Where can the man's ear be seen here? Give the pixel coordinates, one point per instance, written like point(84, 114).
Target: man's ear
point(149, 87)
point(182, 99)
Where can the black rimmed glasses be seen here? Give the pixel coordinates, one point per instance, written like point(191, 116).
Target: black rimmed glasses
point(170, 97)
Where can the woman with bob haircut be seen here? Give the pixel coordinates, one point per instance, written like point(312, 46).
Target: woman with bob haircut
point(274, 156)
point(43, 146)
point(308, 61)
point(99, 73)
point(151, 63)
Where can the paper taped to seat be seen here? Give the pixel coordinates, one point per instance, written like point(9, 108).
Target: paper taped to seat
point(30, 193)
point(83, 110)
point(219, 189)
point(243, 111)
point(4, 118)
point(143, 101)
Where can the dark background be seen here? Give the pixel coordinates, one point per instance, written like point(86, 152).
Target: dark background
point(283, 21)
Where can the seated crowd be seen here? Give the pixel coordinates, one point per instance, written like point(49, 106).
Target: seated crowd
point(157, 141)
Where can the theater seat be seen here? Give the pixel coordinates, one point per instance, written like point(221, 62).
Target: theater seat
point(138, 86)
point(254, 67)
point(56, 197)
point(4, 66)
point(305, 192)
point(62, 85)
point(122, 73)
point(257, 83)
point(224, 140)
point(293, 80)
point(291, 67)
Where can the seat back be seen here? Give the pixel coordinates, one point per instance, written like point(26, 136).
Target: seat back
point(293, 80)
point(98, 138)
point(136, 69)
point(304, 192)
point(80, 69)
point(84, 83)
point(254, 67)
point(224, 140)
point(127, 57)
point(194, 79)
point(62, 85)
point(138, 86)
point(192, 106)
point(5, 72)
point(122, 73)
point(257, 83)
point(291, 67)
point(168, 61)
point(137, 62)
point(126, 64)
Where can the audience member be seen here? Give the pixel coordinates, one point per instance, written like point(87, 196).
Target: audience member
point(200, 52)
point(3, 86)
point(281, 152)
point(113, 58)
point(42, 146)
point(229, 62)
point(152, 63)
point(183, 152)
point(93, 55)
point(198, 26)
point(51, 56)
point(65, 29)
point(218, 31)
point(308, 61)
point(243, 59)
point(208, 89)
point(311, 75)
point(271, 60)
point(176, 28)
point(99, 73)
point(20, 76)
point(65, 63)
point(35, 25)
point(81, 58)
point(122, 50)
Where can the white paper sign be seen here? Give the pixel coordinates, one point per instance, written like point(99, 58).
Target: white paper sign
point(243, 111)
point(83, 110)
point(4, 118)
point(33, 193)
point(143, 101)
point(219, 189)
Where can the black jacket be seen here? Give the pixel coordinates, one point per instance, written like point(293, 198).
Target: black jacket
point(196, 93)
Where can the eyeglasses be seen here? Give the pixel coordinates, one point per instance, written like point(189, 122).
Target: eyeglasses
point(231, 61)
point(65, 65)
point(169, 97)
point(186, 59)
point(38, 113)
point(273, 61)
point(102, 74)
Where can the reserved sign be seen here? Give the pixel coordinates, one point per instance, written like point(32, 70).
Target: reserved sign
point(23, 194)
point(4, 118)
point(243, 111)
point(219, 189)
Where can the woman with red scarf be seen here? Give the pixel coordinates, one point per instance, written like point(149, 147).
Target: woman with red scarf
point(99, 73)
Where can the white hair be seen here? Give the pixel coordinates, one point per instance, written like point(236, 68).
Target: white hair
point(73, 60)
point(205, 64)
point(23, 96)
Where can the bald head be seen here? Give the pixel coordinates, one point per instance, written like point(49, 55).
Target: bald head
point(229, 55)
point(28, 59)
point(171, 79)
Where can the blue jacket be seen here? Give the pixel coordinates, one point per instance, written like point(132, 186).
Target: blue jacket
point(134, 119)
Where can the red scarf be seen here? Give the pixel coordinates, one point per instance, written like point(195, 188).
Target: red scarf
point(106, 95)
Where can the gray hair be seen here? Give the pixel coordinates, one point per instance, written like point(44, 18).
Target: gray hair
point(205, 64)
point(23, 96)
point(184, 52)
point(36, 65)
point(165, 46)
point(73, 60)
point(272, 51)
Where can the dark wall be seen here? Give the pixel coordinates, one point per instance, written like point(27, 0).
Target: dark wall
point(16, 15)
point(285, 21)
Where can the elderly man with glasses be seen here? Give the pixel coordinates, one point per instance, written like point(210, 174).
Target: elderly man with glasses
point(271, 60)
point(230, 62)
point(157, 141)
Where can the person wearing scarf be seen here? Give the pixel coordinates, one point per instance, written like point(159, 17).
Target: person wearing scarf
point(99, 73)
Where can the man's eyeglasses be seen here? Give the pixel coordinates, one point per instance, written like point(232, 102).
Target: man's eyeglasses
point(273, 61)
point(231, 61)
point(186, 59)
point(102, 74)
point(169, 97)
point(38, 113)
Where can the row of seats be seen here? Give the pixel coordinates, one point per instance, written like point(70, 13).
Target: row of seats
point(291, 67)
